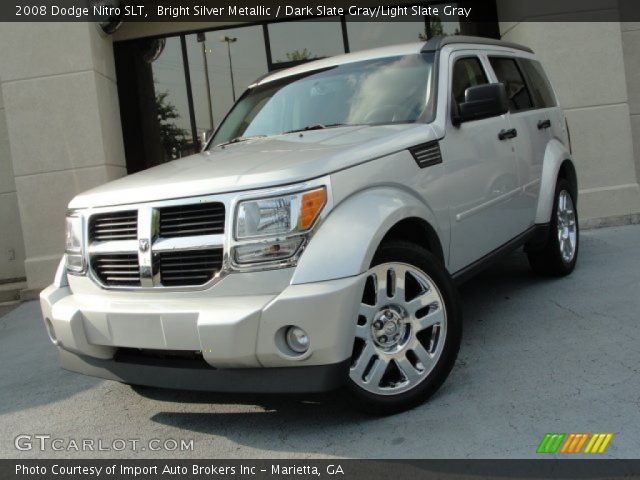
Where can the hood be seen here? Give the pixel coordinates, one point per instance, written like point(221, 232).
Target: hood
point(258, 163)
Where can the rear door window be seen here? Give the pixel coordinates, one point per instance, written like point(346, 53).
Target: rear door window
point(508, 73)
point(538, 83)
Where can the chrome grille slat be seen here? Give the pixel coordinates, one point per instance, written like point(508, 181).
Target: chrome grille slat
point(192, 219)
point(171, 218)
point(117, 269)
point(172, 266)
point(114, 226)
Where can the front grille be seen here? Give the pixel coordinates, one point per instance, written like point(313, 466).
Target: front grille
point(117, 270)
point(147, 246)
point(191, 220)
point(194, 267)
point(114, 226)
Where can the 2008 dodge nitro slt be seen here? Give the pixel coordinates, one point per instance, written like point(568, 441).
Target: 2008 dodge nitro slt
point(316, 240)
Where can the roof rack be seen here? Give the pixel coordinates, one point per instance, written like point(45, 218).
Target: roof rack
point(436, 43)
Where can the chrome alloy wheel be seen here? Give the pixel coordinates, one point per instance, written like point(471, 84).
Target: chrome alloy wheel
point(567, 228)
point(401, 329)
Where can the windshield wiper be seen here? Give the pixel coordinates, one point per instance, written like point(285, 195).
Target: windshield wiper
point(317, 126)
point(240, 139)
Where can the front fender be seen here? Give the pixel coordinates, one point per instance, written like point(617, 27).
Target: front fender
point(555, 154)
point(345, 243)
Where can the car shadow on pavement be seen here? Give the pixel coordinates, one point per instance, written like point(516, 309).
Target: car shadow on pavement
point(244, 413)
point(479, 296)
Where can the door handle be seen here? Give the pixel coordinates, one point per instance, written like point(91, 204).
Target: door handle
point(506, 134)
point(542, 124)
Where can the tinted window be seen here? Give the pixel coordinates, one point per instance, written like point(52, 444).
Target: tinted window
point(508, 73)
point(538, 83)
point(467, 72)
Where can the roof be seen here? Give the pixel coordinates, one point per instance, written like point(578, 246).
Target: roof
point(432, 45)
point(436, 43)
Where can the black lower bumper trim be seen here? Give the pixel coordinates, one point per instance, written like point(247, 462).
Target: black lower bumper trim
point(309, 379)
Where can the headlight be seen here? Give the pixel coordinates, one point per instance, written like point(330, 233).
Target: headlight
point(280, 222)
point(73, 243)
point(278, 216)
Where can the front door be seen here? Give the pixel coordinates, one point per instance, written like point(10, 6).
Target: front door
point(481, 171)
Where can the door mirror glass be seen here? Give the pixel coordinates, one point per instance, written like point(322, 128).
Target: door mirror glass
point(482, 101)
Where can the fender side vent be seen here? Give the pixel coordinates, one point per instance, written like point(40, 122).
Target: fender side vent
point(426, 154)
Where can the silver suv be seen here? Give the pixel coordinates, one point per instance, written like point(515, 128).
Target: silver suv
point(316, 241)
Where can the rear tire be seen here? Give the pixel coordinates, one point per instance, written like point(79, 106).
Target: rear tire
point(559, 255)
point(408, 330)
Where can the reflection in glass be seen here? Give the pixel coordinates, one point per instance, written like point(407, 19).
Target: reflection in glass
point(440, 26)
point(365, 35)
point(212, 72)
point(172, 108)
point(305, 40)
point(380, 91)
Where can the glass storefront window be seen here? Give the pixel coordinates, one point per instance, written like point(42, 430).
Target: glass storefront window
point(171, 104)
point(440, 26)
point(174, 91)
point(209, 60)
point(305, 40)
point(365, 35)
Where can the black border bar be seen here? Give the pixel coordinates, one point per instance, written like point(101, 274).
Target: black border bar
point(355, 10)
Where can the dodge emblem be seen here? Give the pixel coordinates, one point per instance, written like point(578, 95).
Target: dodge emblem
point(143, 244)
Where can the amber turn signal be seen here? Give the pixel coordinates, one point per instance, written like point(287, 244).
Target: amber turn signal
point(310, 206)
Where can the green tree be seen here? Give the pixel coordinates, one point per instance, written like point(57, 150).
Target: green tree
point(174, 139)
point(435, 25)
point(299, 55)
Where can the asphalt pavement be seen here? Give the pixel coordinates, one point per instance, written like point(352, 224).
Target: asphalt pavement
point(538, 355)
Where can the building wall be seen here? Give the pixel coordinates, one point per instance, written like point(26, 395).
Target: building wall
point(60, 128)
point(63, 122)
point(631, 55)
point(11, 243)
point(586, 64)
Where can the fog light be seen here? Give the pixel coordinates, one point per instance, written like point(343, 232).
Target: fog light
point(297, 339)
point(51, 332)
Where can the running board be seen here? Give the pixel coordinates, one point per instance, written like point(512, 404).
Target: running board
point(534, 237)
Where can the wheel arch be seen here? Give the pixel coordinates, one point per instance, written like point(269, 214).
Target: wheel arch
point(345, 243)
point(557, 164)
point(418, 231)
point(567, 171)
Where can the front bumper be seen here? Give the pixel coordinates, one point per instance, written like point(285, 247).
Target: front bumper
point(239, 339)
point(179, 375)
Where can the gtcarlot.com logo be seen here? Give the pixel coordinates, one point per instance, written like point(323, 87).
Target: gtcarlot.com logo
point(45, 442)
point(574, 443)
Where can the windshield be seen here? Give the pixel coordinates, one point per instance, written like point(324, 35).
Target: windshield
point(380, 91)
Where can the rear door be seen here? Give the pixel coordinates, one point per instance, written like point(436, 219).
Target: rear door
point(532, 124)
point(481, 171)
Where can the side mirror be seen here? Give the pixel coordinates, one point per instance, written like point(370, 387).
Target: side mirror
point(482, 101)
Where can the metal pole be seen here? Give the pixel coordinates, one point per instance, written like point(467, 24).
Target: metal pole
point(229, 41)
point(206, 79)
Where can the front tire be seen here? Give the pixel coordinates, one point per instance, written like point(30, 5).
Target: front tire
point(408, 330)
point(559, 255)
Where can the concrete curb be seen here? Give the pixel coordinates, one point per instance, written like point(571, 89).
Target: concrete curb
point(617, 221)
